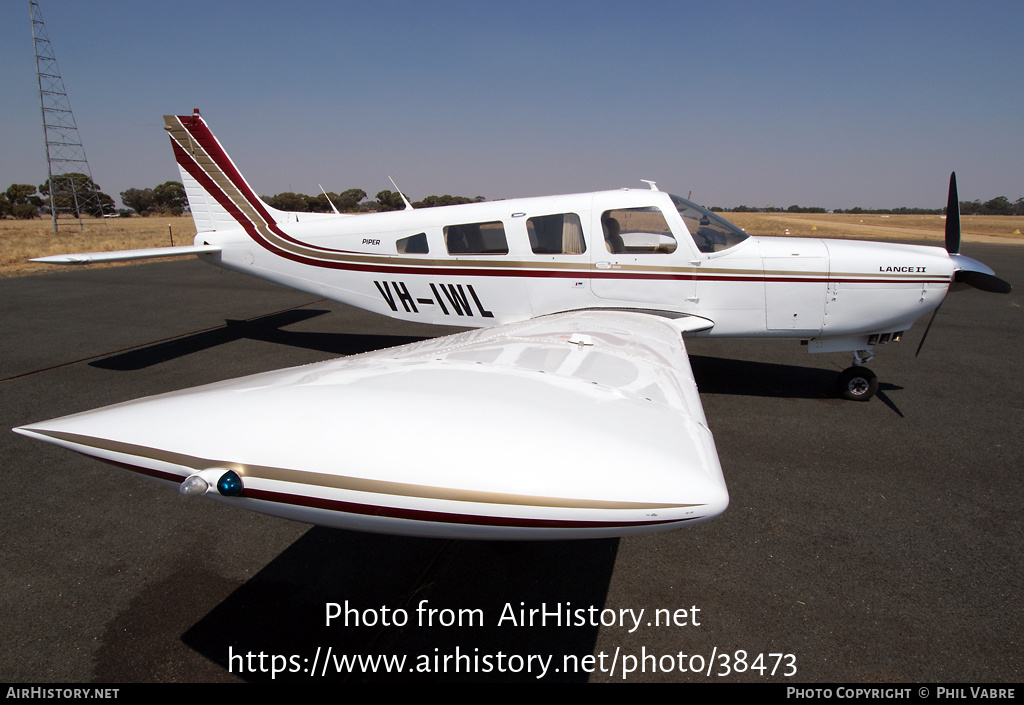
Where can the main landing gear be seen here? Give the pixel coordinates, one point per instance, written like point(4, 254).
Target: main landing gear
point(858, 383)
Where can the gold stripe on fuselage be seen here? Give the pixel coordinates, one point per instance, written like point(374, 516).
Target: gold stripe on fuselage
point(308, 251)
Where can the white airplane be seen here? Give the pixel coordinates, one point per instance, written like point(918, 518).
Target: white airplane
point(572, 411)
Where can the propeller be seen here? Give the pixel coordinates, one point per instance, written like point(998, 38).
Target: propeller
point(953, 218)
point(983, 281)
point(966, 270)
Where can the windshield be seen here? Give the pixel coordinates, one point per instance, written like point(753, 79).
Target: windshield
point(711, 232)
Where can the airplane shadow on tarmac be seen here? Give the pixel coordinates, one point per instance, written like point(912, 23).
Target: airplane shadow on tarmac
point(715, 375)
point(469, 585)
point(265, 328)
point(718, 375)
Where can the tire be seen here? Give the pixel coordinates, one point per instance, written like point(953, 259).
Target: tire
point(857, 384)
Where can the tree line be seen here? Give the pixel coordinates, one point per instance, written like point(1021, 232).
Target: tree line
point(1001, 205)
point(352, 201)
point(24, 201)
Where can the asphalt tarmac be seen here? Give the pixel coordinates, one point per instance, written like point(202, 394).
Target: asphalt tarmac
point(876, 542)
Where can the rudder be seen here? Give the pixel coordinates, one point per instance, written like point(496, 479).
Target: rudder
point(218, 195)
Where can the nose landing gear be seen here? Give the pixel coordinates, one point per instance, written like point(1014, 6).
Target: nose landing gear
point(858, 383)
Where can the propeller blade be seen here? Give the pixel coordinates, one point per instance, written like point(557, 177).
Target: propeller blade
point(983, 281)
point(925, 336)
point(953, 218)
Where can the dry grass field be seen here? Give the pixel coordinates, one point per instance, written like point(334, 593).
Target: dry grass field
point(975, 228)
point(20, 240)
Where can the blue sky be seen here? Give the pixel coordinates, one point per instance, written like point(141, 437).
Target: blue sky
point(814, 103)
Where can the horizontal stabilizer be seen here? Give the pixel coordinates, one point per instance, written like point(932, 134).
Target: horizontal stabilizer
point(128, 255)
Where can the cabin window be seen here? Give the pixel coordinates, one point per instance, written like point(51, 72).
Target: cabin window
point(709, 231)
point(637, 231)
point(476, 239)
point(560, 234)
point(413, 245)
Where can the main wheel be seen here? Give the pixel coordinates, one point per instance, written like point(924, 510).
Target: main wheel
point(857, 384)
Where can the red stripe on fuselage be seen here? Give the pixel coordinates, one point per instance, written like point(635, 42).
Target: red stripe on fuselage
point(201, 133)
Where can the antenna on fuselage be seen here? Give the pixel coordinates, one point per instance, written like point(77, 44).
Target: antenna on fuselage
point(654, 186)
point(333, 207)
point(408, 206)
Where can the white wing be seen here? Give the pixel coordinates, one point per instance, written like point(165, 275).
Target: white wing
point(579, 424)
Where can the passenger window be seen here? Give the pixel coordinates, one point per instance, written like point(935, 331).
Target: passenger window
point(413, 245)
point(637, 231)
point(476, 239)
point(559, 234)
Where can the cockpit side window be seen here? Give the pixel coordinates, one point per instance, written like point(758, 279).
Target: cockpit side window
point(637, 231)
point(709, 231)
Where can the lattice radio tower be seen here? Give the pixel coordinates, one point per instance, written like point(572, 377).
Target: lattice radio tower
point(72, 191)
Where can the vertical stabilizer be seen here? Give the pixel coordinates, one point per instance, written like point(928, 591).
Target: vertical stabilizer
point(218, 196)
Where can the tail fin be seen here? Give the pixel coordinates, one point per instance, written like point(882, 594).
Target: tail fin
point(218, 195)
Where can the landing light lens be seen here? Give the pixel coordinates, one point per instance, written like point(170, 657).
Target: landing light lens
point(193, 485)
